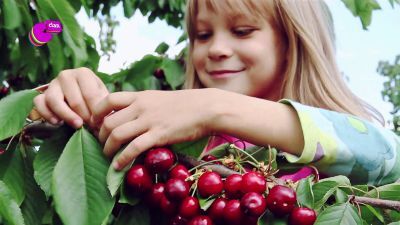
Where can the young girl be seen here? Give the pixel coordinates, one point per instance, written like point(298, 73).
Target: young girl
point(263, 71)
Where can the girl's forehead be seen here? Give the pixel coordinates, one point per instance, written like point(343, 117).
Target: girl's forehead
point(232, 9)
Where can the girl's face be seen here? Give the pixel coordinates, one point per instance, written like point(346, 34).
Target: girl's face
point(240, 54)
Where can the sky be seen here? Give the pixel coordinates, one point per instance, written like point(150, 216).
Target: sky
point(358, 51)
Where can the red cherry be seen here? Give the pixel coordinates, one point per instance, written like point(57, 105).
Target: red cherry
point(253, 181)
point(153, 198)
point(159, 160)
point(201, 220)
point(2, 151)
point(281, 200)
point(209, 158)
point(181, 172)
point(176, 189)
point(138, 179)
point(4, 91)
point(216, 210)
point(232, 212)
point(159, 73)
point(209, 183)
point(189, 207)
point(178, 220)
point(233, 186)
point(168, 207)
point(253, 204)
point(302, 216)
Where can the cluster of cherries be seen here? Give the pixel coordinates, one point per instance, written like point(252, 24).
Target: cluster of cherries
point(239, 199)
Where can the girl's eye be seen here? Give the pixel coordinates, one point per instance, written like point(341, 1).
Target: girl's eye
point(241, 32)
point(203, 35)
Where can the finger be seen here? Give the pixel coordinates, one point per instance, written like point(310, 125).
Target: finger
point(43, 110)
point(115, 120)
point(114, 101)
point(93, 89)
point(121, 135)
point(134, 149)
point(55, 101)
point(73, 96)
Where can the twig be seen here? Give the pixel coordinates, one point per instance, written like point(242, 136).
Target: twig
point(40, 129)
point(380, 203)
point(192, 162)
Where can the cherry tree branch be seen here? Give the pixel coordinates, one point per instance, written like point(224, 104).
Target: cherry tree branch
point(380, 203)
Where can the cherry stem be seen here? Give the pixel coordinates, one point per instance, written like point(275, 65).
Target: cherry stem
point(244, 152)
point(192, 162)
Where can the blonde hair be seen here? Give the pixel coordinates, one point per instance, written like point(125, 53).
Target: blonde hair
point(311, 76)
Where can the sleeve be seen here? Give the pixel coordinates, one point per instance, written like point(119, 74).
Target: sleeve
point(342, 144)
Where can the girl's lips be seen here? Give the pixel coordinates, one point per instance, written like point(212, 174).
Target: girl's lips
point(224, 73)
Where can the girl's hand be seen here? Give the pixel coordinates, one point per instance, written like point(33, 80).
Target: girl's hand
point(71, 97)
point(153, 119)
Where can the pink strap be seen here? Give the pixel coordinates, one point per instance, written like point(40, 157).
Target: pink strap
point(214, 141)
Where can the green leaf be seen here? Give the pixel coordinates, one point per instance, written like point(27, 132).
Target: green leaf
point(9, 209)
point(173, 73)
point(322, 191)
point(129, 9)
point(339, 214)
point(138, 215)
point(115, 178)
point(79, 182)
point(57, 58)
point(395, 223)
point(47, 157)
point(362, 9)
point(389, 191)
point(341, 196)
point(13, 111)
point(12, 15)
point(375, 213)
point(218, 151)
point(305, 195)
point(269, 219)
point(12, 173)
point(35, 205)
point(191, 148)
point(162, 48)
point(340, 180)
point(205, 203)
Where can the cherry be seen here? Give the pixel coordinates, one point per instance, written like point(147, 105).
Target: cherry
point(2, 151)
point(302, 216)
point(200, 220)
point(4, 91)
point(153, 198)
point(209, 158)
point(189, 207)
point(253, 204)
point(233, 186)
point(159, 160)
point(168, 207)
point(178, 220)
point(281, 200)
point(253, 181)
point(138, 179)
point(216, 210)
point(180, 172)
point(209, 183)
point(232, 212)
point(159, 73)
point(176, 189)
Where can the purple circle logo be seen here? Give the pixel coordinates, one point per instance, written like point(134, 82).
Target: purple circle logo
point(42, 33)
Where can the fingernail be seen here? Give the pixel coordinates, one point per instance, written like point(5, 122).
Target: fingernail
point(77, 123)
point(116, 165)
point(53, 120)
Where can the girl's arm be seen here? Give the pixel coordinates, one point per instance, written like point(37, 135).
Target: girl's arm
point(336, 143)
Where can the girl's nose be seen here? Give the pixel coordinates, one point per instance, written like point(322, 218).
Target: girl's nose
point(219, 48)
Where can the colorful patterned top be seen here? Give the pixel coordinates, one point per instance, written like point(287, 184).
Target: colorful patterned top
point(341, 144)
